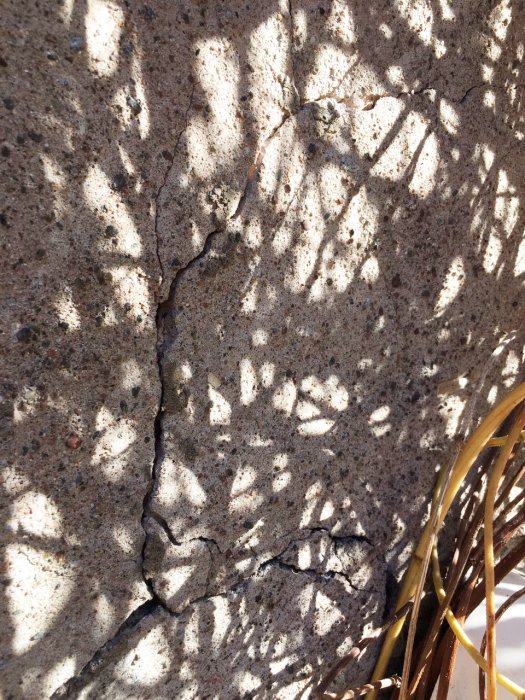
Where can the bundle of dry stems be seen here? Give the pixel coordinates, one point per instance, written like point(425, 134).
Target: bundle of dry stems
point(481, 482)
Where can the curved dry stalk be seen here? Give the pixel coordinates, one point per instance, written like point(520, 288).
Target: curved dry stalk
point(377, 686)
point(358, 649)
point(468, 455)
point(464, 639)
point(490, 586)
point(501, 611)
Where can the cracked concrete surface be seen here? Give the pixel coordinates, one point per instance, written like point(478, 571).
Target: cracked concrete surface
point(258, 258)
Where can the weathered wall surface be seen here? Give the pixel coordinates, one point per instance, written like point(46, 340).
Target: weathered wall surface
point(257, 260)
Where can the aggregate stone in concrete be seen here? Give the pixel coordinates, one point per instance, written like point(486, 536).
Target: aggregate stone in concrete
point(262, 262)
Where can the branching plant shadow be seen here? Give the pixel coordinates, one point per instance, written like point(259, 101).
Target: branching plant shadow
point(353, 176)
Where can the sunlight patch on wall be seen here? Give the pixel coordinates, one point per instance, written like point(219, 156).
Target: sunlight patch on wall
point(103, 21)
point(218, 73)
point(25, 404)
point(399, 155)
point(188, 483)
point(97, 189)
point(501, 19)
point(492, 252)
point(142, 117)
point(281, 481)
point(111, 448)
point(330, 392)
point(259, 337)
point(284, 397)
point(220, 409)
point(36, 514)
point(330, 66)
point(327, 614)
point(454, 281)
point(131, 374)
point(370, 270)
point(419, 17)
point(247, 682)
point(451, 409)
point(506, 208)
point(59, 674)
point(245, 477)
point(65, 10)
point(13, 480)
point(319, 426)
point(248, 382)
point(57, 180)
point(249, 300)
point(449, 116)
point(511, 369)
point(269, 35)
point(66, 309)
point(146, 664)
point(519, 265)
point(307, 410)
point(40, 585)
point(446, 11)
point(130, 286)
point(222, 621)
point(327, 511)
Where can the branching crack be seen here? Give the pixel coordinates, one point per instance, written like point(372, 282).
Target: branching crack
point(209, 541)
point(312, 573)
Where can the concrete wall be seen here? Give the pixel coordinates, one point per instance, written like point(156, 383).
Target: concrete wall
point(262, 261)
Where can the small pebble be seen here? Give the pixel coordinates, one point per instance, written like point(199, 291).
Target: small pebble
point(119, 182)
point(23, 334)
point(9, 103)
point(134, 104)
point(73, 441)
point(76, 42)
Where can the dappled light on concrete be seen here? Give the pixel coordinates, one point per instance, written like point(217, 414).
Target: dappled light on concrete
point(262, 262)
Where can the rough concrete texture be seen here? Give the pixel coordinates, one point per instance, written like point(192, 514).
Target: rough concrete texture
point(257, 260)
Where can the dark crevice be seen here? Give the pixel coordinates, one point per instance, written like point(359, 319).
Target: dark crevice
point(163, 310)
point(101, 657)
point(473, 87)
point(312, 573)
point(162, 522)
point(345, 539)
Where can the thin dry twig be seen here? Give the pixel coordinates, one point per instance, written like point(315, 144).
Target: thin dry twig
point(385, 684)
point(358, 649)
point(501, 611)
